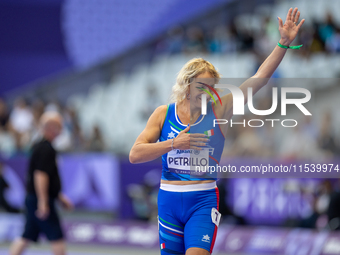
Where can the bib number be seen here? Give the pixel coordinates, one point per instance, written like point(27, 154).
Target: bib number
point(215, 216)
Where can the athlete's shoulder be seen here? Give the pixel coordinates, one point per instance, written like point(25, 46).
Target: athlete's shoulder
point(161, 110)
point(159, 115)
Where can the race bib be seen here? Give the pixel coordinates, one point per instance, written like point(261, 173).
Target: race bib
point(215, 216)
point(188, 161)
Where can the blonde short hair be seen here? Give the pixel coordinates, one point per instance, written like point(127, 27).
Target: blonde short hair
point(190, 70)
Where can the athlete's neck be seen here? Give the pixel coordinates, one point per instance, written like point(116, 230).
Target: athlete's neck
point(189, 112)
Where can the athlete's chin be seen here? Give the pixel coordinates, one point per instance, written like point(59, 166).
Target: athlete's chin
point(196, 105)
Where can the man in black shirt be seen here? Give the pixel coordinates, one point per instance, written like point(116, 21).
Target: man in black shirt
point(43, 189)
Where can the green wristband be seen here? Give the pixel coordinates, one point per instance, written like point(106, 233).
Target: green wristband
point(297, 47)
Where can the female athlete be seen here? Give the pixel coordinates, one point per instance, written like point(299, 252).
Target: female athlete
point(188, 214)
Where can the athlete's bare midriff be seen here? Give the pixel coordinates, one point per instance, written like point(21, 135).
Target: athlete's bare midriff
point(185, 182)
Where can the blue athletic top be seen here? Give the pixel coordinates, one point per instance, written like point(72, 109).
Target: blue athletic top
point(182, 165)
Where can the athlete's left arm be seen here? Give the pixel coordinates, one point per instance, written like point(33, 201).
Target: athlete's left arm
point(288, 32)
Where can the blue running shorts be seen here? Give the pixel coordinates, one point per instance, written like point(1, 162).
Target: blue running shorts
point(187, 217)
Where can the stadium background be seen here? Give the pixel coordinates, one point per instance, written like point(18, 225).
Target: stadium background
point(106, 65)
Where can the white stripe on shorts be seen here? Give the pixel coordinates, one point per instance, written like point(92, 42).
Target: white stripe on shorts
point(189, 187)
point(170, 228)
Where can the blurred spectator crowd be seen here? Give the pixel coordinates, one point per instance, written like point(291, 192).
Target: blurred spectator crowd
point(306, 141)
point(19, 128)
point(240, 36)
point(19, 124)
point(324, 201)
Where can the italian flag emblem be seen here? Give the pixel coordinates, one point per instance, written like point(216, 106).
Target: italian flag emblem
point(209, 132)
point(162, 246)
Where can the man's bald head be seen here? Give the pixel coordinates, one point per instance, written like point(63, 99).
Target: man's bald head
point(51, 124)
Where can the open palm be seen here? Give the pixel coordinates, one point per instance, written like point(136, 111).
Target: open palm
point(290, 28)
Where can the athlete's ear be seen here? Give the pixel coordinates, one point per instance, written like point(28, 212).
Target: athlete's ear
point(187, 93)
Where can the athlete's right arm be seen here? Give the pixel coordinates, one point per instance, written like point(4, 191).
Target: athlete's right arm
point(146, 149)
